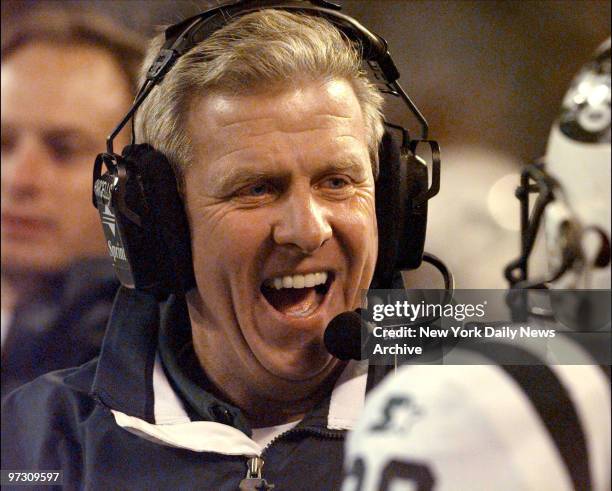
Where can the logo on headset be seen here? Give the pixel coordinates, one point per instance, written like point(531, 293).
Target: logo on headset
point(116, 252)
point(102, 189)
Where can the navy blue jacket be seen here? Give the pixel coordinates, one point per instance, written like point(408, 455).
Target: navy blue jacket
point(116, 423)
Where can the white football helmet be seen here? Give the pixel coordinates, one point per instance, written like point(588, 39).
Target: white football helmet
point(573, 186)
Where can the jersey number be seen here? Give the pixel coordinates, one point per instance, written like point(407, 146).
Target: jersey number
point(394, 471)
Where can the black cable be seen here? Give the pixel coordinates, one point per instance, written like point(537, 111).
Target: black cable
point(436, 262)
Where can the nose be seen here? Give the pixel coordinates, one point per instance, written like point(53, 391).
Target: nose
point(303, 223)
point(24, 167)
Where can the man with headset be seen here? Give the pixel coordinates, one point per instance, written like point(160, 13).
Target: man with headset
point(273, 132)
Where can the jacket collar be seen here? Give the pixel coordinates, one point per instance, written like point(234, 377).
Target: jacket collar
point(131, 381)
point(124, 375)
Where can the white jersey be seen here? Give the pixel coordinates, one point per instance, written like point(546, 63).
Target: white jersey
point(484, 427)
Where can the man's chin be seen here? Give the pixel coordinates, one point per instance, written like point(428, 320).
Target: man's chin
point(309, 365)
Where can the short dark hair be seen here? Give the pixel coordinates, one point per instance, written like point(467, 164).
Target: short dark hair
point(75, 25)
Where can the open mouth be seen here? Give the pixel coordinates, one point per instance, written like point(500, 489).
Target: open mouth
point(297, 295)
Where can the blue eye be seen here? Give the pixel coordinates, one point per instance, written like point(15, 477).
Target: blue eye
point(257, 190)
point(335, 183)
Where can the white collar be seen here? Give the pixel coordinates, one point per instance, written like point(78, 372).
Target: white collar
point(173, 427)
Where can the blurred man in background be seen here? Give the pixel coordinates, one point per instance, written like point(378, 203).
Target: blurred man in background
point(67, 77)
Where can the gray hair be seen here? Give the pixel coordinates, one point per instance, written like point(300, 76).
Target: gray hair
point(256, 51)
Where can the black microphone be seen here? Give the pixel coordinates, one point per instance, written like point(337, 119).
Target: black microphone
point(347, 336)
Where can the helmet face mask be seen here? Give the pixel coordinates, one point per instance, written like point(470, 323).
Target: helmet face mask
point(573, 187)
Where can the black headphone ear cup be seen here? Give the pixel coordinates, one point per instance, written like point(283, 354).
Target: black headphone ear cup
point(401, 223)
point(411, 242)
point(389, 209)
point(159, 251)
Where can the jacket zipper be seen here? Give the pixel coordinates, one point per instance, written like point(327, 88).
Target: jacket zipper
point(254, 478)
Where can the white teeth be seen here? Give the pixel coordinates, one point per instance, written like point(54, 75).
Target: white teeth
point(298, 281)
point(309, 280)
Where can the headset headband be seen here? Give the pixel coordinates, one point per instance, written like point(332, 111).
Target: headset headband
point(182, 37)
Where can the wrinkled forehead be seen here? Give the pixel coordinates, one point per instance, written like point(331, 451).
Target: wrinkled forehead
point(285, 103)
point(313, 113)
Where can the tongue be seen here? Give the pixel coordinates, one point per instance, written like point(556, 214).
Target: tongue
point(296, 302)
